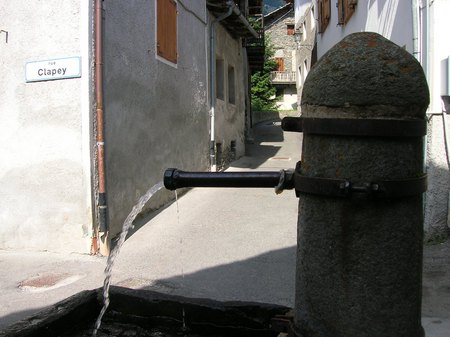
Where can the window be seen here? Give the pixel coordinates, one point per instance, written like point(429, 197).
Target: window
point(166, 36)
point(305, 66)
point(346, 8)
point(300, 76)
point(219, 78)
point(290, 29)
point(324, 14)
point(280, 63)
point(231, 85)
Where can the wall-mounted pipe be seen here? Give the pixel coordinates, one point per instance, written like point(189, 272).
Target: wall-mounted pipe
point(212, 82)
point(415, 29)
point(101, 232)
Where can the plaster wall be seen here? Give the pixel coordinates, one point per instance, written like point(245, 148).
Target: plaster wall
point(45, 168)
point(386, 17)
point(301, 6)
point(305, 57)
point(156, 113)
point(288, 99)
point(439, 53)
point(436, 215)
point(230, 117)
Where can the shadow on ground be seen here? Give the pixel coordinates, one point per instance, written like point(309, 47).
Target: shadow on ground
point(266, 278)
point(267, 140)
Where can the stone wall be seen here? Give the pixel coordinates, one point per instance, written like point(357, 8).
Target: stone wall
point(283, 44)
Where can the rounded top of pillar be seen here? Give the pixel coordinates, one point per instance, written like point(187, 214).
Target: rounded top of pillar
point(365, 69)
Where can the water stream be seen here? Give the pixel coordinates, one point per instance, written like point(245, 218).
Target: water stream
point(183, 314)
point(127, 225)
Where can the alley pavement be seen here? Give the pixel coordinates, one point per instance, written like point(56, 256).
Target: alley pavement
point(223, 244)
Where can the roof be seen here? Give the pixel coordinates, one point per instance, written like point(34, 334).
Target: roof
point(274, 16)
point(236, 24)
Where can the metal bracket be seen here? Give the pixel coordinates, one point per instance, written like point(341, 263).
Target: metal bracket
point(284, 324)
point(356, 127)
point(345, 188)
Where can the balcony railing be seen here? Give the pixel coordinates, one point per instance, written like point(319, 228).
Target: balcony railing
point(255, 41)
point(282, 77)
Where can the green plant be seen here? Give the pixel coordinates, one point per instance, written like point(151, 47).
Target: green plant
point(262, 91)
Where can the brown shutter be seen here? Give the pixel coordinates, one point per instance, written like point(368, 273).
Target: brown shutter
point(346, 8)
point(167, 30)
point(324, 14)
point(349, 9)
point(280, 63)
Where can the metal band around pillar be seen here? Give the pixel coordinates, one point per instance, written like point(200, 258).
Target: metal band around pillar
point(344, 188)
point(356, 127)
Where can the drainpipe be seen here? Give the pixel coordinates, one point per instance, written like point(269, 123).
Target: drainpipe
point(415, 29)
point(427, 42)
point(212, 81)
point(101, 233)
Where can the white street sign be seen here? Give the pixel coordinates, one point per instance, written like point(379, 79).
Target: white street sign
point(55, 69)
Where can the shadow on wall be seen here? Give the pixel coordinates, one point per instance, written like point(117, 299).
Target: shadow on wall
point(437, 204)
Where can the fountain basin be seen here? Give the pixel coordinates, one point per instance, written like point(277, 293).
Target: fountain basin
point(147, 313)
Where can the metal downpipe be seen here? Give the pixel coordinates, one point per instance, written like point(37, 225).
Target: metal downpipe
point(415, 29)
point(100, 240)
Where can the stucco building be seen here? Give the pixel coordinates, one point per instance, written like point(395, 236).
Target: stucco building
point(279, 28)
point(98, 98)
point(420, 27)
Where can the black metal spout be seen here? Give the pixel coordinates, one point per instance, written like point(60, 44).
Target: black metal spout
point(174, 179)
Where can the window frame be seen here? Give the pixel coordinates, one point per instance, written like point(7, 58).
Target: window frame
point(290, 28)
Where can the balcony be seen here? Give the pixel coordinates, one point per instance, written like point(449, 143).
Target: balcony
point(255, 51)
point(282, 77)
point(246, 22)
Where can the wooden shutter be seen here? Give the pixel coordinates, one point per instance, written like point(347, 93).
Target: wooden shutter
point(280, 63)
point(166, 37)
point(324, 14)
point(346, 8)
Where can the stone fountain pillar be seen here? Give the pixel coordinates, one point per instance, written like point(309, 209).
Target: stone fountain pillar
point(359, 259)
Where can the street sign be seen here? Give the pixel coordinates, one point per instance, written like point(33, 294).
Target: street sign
point(55, 69)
